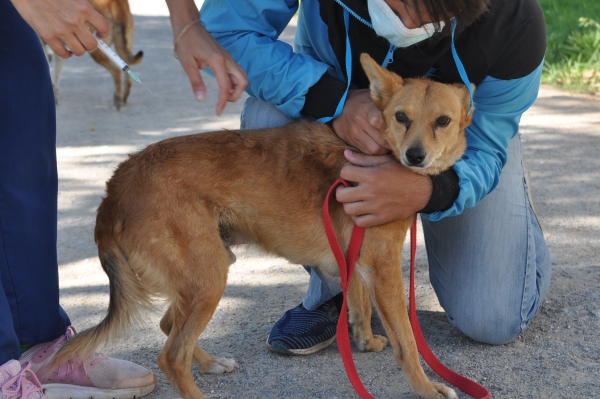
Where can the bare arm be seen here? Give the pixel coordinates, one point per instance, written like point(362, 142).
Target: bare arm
point(63, 24)
point(197, 49)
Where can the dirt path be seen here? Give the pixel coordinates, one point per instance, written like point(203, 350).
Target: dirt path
point(557, 357)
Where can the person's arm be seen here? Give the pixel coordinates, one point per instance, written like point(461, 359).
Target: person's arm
point(387, 191)
point(295, 82)
point(500, 100)
point(62, 24)
point(249, 31)
point(196, 49)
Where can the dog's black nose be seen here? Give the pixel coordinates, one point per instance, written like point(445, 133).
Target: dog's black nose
point(415, 155)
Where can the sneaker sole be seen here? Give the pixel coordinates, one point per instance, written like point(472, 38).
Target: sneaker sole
point(275, 347)
point(67, 391)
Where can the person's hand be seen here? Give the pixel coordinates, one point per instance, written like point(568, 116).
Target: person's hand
point(196, 50)
point(386, 190)
point(63, 24)
point(361, 122)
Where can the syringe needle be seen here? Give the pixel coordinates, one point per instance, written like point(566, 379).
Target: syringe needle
point(117, 60)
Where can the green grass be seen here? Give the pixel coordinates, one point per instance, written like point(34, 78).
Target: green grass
point(573, 52)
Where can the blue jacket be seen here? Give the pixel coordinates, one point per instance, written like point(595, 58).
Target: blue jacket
point(502, 53)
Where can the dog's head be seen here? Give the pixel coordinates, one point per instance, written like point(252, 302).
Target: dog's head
point(424, 120)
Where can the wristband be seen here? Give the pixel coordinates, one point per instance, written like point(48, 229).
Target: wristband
point(180, 35)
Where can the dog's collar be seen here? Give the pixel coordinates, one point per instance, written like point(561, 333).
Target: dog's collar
point(461, 68)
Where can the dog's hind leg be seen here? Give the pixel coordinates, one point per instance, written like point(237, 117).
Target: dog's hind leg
point(203, 361)
point(196, 266)
point(114, 71)
point(127, 82)
point(359, 317)
point(382, 251)
point(124, 45)
point(175, 360)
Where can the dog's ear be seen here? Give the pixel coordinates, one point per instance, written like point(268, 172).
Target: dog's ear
point(383, 83)
point(465, 98)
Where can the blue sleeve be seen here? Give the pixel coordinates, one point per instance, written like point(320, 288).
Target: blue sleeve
point(248, 30)
point(499, 105)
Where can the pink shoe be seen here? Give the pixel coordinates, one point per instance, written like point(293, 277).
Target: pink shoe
point(19, 383)
point(99, 377)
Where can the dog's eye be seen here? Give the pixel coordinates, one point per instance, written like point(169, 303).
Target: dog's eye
point(401, 117)
point(442, 121)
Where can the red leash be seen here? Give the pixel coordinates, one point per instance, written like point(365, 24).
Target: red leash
point(346, 265)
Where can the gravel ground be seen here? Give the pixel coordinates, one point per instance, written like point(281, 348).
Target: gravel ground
point(557, 357)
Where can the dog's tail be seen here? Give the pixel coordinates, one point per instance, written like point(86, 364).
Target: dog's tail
point(128, 295)
point(123, 35)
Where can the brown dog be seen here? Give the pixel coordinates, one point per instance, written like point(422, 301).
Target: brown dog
point(120, 33)
point(173, 210)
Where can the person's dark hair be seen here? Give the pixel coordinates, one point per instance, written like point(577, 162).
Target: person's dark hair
point(465, 11)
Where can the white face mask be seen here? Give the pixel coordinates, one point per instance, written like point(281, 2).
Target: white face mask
point(389, 26)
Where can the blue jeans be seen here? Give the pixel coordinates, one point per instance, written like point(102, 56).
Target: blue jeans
point(29, 297)
point(490, 266)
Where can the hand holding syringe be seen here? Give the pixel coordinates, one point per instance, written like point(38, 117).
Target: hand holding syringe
point(117, 60)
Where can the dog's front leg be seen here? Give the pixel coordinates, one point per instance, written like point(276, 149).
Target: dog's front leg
point(381, 250)
point(359, 315)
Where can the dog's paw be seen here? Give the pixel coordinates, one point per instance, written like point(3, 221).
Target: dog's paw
point(223, 365)
point(444, 392)
point(117, 101)
point(375, 344)
point(452, 394)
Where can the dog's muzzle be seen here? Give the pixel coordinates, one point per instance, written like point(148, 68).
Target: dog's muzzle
point(415, 156)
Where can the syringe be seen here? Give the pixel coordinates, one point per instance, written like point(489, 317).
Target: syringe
point(117, 60)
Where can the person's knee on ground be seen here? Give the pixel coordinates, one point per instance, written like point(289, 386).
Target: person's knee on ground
point(490, 265)
point(489, 322)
